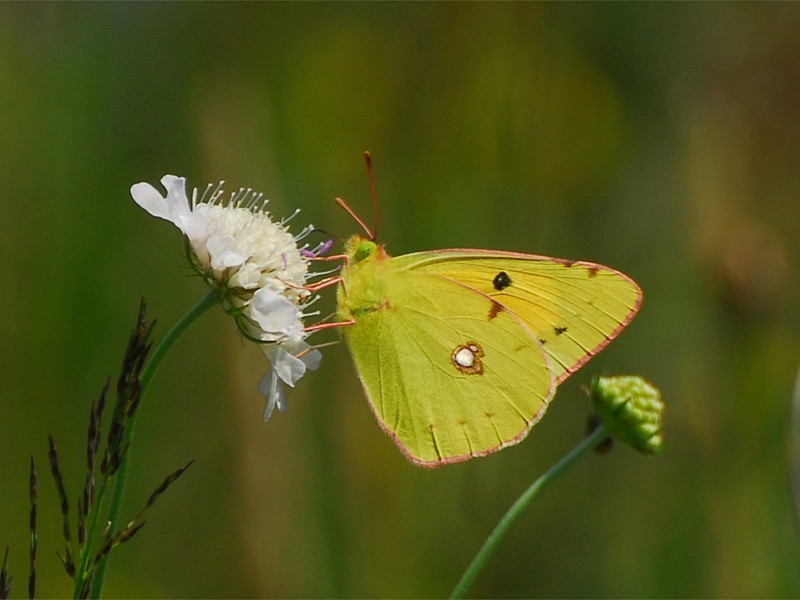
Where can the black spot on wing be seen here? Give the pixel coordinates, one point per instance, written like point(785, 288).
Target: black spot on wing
point(501, 281)
point(559, 330)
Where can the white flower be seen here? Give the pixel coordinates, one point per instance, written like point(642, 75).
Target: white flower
point(237, 248)
point(289, 361)
point(255, 264)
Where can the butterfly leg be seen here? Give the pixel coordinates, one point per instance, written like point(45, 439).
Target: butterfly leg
point(328, 281)
point(321, 326)
point(323, 283)
point(342, 257)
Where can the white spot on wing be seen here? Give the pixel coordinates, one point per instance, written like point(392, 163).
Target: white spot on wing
point(467, 358)
point(464, 357)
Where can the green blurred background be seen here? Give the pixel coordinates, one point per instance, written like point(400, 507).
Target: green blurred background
point(661, 139)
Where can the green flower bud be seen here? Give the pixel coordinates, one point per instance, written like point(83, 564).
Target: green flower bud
point(631, 410)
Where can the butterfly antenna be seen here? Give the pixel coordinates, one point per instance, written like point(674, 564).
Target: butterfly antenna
point(372, 194)
point(355, 217)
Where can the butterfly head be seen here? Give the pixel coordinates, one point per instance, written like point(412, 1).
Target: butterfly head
point(360, 249)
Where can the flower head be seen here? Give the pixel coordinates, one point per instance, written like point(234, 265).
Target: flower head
point(233, 243)
point(255, 264)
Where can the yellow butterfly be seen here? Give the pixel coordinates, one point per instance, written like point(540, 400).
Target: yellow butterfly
point(460, 351)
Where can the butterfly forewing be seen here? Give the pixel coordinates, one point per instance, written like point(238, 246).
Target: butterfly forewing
point(450, 373)
point(574, 308)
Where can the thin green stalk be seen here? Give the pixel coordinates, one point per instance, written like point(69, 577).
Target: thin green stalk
point(148, 372)
point(520, 506)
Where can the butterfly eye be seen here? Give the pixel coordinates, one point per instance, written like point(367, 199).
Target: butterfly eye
point(501, 281)
point(365, 250)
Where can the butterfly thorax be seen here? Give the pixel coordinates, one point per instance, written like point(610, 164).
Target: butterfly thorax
point(363, 288)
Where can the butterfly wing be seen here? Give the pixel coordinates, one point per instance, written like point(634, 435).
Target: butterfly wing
point(574, 308)
point(449, 373)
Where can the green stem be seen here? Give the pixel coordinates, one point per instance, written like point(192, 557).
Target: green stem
point(515, 512)
point(148, 371)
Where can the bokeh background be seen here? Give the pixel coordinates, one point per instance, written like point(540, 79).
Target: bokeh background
point(661, 139)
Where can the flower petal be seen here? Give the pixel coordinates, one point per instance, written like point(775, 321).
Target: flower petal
point(311, 359)
point(270, 387)
point(192, 222)
point(291, 359)
point(246, 277)
point(174, 207)
point(275, 314)
point(150, 199)
point(289, 368)
point(224, 252)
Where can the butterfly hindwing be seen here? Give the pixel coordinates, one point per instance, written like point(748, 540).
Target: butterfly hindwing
point(449, 373)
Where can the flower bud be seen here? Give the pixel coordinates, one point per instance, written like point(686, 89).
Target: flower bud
point(631, 409)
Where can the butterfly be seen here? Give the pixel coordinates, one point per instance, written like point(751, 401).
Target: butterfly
point(459, 351)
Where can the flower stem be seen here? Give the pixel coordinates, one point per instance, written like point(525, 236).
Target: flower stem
point(148, 372)
point(515, 512)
